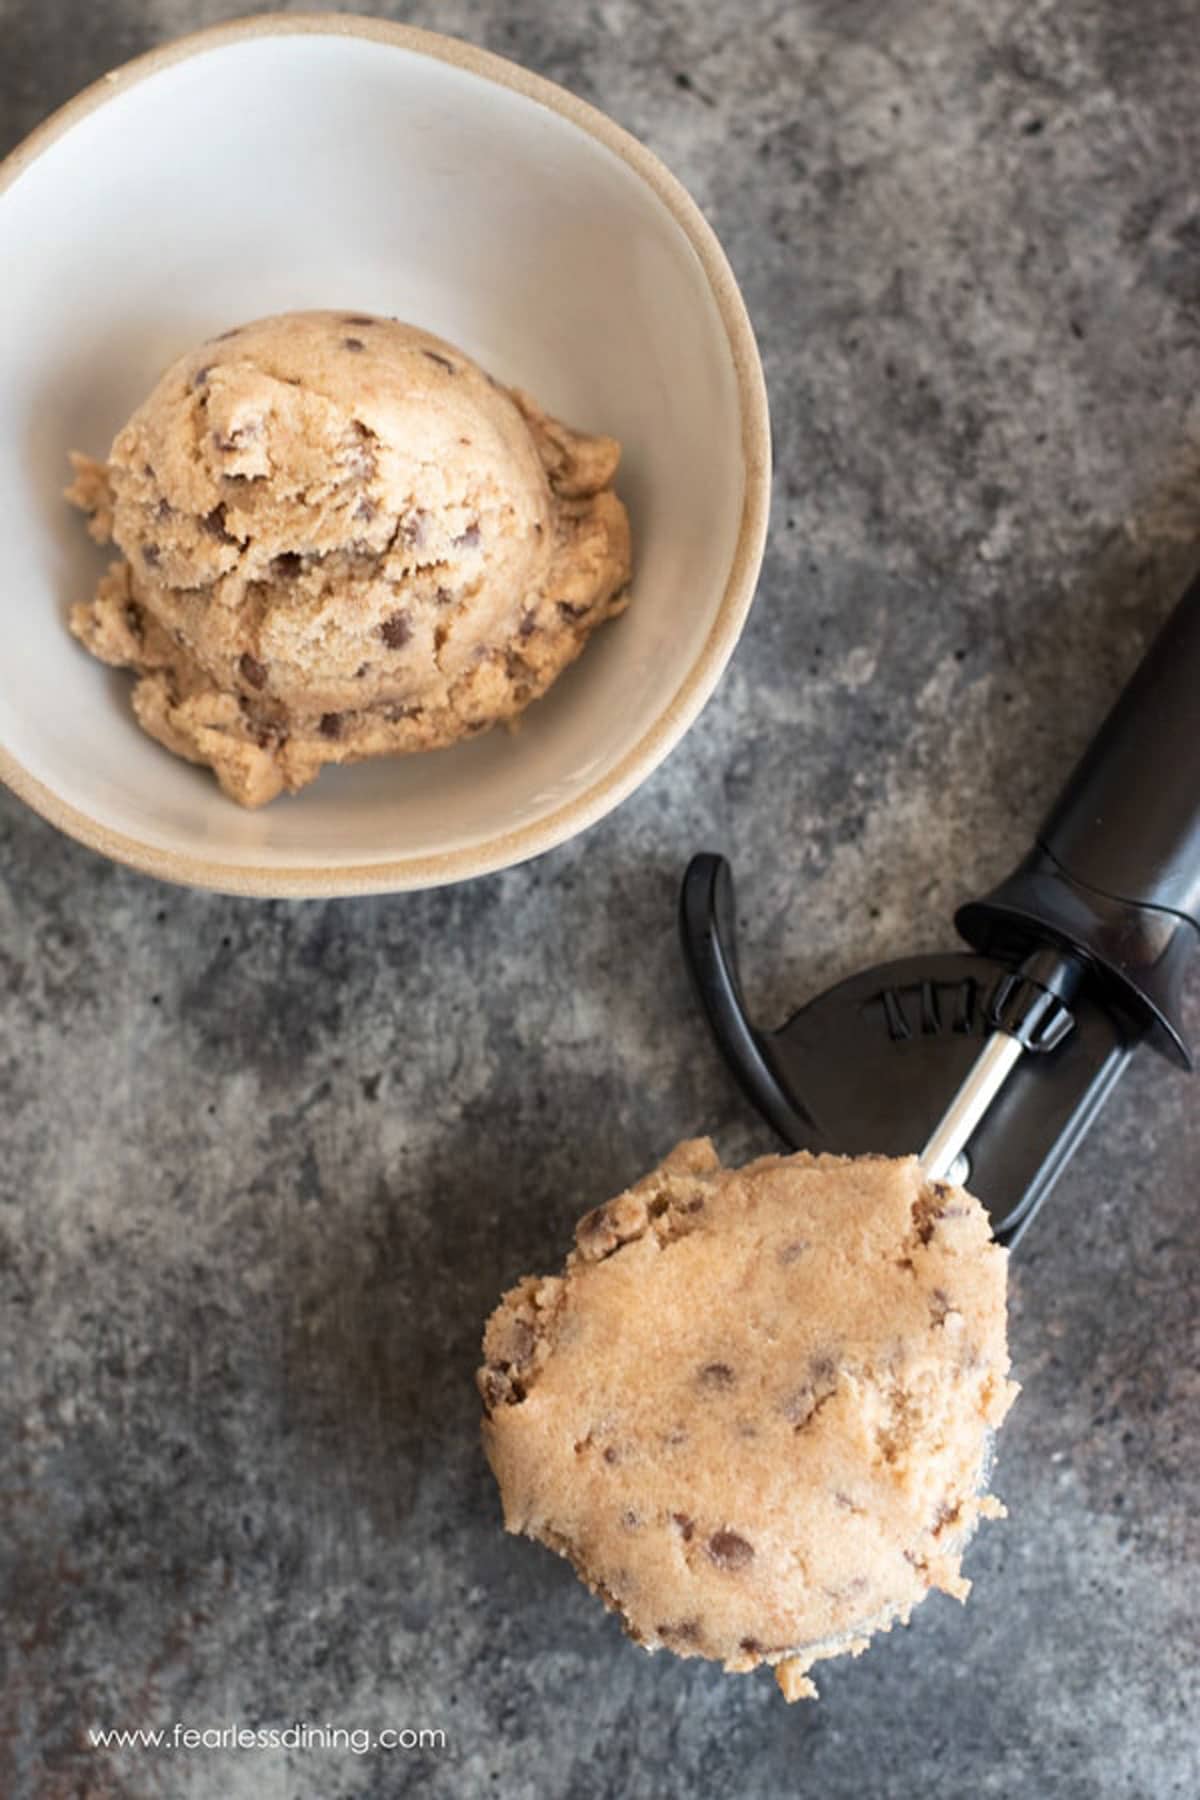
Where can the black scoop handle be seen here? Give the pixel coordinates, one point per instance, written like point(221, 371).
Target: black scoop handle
point(1114, 875)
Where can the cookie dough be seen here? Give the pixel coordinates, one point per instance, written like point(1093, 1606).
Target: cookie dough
point(755, 1411)
point(342, 539)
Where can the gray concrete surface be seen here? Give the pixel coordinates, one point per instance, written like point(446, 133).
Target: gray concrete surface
point(266, 1167)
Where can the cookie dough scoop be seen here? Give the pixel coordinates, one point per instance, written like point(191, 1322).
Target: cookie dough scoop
point(755, 1410)
point(998, 1058)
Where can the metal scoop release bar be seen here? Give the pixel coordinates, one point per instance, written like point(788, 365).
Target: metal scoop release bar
point(1029, 1013)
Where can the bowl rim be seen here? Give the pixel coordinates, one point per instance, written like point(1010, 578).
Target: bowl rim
point(507, 848)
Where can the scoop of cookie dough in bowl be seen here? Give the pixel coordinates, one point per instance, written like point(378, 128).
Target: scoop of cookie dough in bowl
point(341, 539)
point(396, 176)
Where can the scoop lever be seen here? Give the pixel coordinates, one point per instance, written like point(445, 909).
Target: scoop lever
point(1074, 960)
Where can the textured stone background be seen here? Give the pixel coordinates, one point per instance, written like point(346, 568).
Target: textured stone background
point(266, 1167)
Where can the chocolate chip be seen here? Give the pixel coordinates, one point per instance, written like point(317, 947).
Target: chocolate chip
point(716, 1375)
point(925, 1215)
point(353, 343)
point(729, 1551)
point(150, 555)
point(240, 435)
point(396, 631)
point(287, 565)
point(252, 671)
point(569, 610)
point(686, 1526)
point(946, 1514)
point(442, 361)
point(200, 378)
point(469, 539)
point(686, 1632)
point(803, 1405)
point(930, 1207)
point(362, 669)
point(799, 1407)
point(214, 524)
point(610, 1455)
point(414, 529)
point(331, 725)
point(751, 1646)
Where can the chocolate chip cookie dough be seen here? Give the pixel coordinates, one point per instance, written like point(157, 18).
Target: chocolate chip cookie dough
point(755, 1410)
point(342, 539)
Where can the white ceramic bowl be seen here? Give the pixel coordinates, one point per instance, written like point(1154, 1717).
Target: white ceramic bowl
point(288, 162)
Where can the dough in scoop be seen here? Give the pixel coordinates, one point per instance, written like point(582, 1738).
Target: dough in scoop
point(755, 1410)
